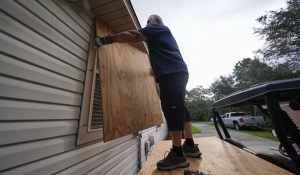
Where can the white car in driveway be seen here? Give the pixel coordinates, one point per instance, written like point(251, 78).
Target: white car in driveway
point(239, 120)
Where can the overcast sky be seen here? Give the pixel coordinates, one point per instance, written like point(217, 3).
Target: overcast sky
point(213, 35)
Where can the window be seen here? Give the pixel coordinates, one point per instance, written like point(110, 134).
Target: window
point(118, 104)
point(238, 114)
point(90, 123)
point(95, 113)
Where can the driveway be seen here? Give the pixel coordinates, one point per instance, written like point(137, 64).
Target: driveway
point(254, 143)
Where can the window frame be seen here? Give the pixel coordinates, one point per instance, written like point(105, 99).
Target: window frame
point(85, 135)
point(93, 96)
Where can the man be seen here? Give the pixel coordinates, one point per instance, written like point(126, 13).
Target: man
point(171, 73)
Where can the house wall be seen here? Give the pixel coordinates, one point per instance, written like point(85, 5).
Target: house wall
point(159, 134)
point(43, 54)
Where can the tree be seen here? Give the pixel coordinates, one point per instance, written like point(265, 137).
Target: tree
point(283, 71)
point(198, 102)
point(222, 86)
point(281, 30)
point(249, 72)
point(200, 109)
point(198, 93)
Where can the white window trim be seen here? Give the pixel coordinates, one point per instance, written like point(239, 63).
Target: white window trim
point(92, 96)
point(85, 135)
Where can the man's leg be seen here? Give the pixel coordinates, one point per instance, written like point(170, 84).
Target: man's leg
point(189, 141)
point(188, 130)
point(176, 142)
point(176, 138)
point(173, 114)
point(189, 147)
point(170, 95)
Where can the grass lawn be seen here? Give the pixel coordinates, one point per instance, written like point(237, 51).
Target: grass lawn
point(266, 133)
point(195, 130)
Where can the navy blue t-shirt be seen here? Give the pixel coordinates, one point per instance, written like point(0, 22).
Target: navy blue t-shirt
point(165, 57)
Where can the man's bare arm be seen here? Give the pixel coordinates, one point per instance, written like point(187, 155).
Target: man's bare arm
point(130, 36)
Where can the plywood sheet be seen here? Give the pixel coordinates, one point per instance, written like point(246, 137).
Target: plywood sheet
point(218, 158)
point(129, 99)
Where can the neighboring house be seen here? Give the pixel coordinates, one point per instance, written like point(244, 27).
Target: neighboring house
point(51, 103)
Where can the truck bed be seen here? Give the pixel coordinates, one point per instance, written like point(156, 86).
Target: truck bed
point(219, 158)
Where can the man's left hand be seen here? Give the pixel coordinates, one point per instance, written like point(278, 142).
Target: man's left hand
point(100, 41)
point(97, 42)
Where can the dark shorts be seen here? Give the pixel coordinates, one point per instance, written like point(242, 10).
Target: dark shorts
point(172, 95)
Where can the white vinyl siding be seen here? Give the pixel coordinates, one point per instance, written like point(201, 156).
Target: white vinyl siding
point(43, 54)
point(158, 136)
point(43, 62)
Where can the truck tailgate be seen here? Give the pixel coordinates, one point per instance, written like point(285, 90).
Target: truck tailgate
point(253, 120)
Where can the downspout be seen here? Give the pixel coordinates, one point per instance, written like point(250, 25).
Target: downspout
point(140, 149)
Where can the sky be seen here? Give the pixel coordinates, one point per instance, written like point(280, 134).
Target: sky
point(212, 35)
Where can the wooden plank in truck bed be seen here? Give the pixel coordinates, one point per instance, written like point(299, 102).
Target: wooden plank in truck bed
point(218, 158)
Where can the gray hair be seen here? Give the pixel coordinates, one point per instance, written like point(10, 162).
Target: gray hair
point(157, 18)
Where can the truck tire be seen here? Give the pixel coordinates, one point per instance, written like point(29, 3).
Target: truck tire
point(236, 126)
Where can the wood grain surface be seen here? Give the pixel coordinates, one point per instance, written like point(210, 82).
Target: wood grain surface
point(129, 99)
point(218, 158)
